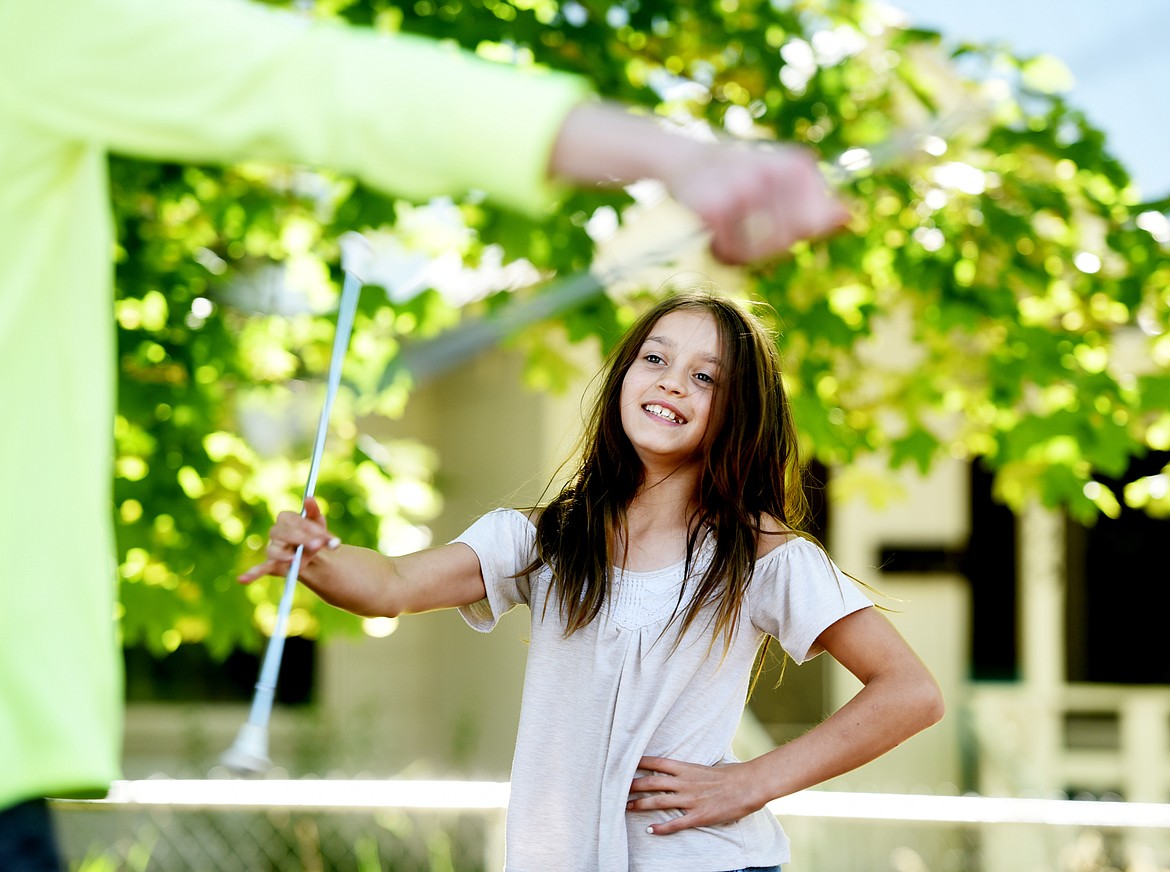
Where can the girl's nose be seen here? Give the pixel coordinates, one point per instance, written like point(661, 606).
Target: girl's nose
point(670, 382)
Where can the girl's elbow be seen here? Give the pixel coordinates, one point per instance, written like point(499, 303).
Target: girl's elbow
point(930, 705)
point(388, 602)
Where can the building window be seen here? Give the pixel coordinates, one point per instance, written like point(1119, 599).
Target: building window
point(988, 562)
point(788, 700)
point(1118, 595)
point(191, 674)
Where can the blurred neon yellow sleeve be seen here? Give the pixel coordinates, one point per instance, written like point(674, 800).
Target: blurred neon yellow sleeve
point(195, 80)
point(218, 80)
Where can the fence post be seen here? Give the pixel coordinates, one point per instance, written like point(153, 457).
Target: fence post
point(493, 841)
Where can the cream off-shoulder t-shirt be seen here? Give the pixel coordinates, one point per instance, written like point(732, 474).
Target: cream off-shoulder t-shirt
point(599, 700)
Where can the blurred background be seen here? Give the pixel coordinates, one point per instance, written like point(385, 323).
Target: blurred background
point(1114, 54)
point(981, 370)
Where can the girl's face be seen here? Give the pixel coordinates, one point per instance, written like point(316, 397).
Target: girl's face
point(668, 393)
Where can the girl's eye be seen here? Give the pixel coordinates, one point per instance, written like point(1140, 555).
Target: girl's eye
point(704, 377)
point(653, 358)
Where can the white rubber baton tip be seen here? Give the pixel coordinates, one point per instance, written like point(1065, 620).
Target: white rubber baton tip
point(379, 257)
point(248, 755)
point(357, 255)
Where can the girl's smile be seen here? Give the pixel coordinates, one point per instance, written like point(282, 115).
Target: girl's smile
point(665, 412)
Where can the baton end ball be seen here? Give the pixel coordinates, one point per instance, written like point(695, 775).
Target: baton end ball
point(248, 755)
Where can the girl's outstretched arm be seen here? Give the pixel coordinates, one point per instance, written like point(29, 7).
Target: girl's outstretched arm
point(899, 698)
point(364, 581)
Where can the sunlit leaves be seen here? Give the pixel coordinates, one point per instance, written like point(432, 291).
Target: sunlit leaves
point(218, 401)
point(1150, 494)
point(1003, 292)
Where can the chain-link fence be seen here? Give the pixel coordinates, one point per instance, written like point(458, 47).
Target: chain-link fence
point(338, 826)
point(181, 839)
point(329, 825)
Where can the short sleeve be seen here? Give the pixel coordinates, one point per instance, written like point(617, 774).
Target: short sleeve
point(504, 541)
point(797, 592)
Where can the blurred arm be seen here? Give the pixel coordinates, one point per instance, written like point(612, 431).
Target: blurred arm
point(223, 80)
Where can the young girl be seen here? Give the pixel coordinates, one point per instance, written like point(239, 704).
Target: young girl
point(653, 579)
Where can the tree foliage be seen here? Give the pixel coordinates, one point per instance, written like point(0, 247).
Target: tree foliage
point(1003, 294)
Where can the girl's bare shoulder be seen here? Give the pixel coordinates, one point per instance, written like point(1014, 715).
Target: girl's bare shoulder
point(773, 534)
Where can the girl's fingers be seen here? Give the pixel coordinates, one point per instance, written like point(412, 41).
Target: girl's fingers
point(292, 531)
point(653, 784)
point(291, 527)
point(280, 555)
point(656, 802)
point(683, 822)
point(662, 764)
point(268, 567)
point(313, 511)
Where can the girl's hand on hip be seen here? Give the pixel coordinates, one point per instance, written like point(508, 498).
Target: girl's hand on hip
point(288, 533)
point(706, 795)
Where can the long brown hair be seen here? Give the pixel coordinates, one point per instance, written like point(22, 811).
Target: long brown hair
point(750, 471)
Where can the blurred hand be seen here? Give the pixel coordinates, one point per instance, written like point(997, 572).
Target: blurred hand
point(756, 199)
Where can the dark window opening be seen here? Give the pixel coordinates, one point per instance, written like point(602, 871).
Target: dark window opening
point(191, 674)
point(988, 562)
point(1094, 731)
point(991, 565)
point(1118, 591)
point(789, 699)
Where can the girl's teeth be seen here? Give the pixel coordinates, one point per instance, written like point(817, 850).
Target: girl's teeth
point(665, 414)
